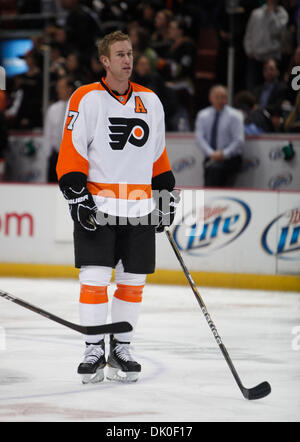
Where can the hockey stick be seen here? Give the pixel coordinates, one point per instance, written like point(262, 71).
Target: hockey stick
point(115, 327)
point(257, 392)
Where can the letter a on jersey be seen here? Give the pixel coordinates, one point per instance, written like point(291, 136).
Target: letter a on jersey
point(133, 130)
point(139, 106)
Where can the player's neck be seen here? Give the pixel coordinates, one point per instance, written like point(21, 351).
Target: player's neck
point(121, 86)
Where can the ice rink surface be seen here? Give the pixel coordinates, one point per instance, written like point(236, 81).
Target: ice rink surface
point(184, 375)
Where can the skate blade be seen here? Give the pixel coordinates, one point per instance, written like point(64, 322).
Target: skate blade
point(115, 374)
point(93, 378)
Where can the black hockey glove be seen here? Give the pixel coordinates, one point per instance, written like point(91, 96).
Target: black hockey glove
point(164, 213)
point(82, 207)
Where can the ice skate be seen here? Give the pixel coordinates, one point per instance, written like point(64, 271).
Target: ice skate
point(92, 367)
point(121, 365)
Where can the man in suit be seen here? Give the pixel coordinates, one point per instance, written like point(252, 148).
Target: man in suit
point(220, 135)
point(272, 92)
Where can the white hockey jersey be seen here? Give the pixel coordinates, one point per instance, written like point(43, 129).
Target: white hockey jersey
point(118, 142)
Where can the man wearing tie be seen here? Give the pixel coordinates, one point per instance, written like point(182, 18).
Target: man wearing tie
point(219, 134)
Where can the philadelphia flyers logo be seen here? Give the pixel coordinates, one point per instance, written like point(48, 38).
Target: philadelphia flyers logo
point(133, 130)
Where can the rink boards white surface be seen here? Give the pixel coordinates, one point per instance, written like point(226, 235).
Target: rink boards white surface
point(184, 376)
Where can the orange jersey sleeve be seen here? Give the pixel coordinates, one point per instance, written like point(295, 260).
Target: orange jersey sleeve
point(162, 164)
point(73, 149)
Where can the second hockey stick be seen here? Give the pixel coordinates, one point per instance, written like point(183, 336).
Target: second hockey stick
point(115, 327)
point(257, 392)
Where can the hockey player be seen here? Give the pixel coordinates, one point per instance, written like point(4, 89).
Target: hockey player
point(111, 158)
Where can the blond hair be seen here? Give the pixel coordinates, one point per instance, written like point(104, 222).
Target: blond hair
point(109, 39)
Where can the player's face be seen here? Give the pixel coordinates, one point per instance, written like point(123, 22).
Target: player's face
point(120, 61)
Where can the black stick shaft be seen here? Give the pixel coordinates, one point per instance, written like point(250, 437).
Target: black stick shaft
point(117, 327)
point(204, 310)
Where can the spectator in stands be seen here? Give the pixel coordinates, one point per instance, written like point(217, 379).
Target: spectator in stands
point(277, 120)
point(178, 68)
point(60, 36)
point(25, 111)
point(263, 38)
point(53, 127)
point(82, 25)
point(96, 70)
point(179, 64)
point(272, 92)
point(292, 122)
point(258, 120)
point(74, 68)
point(145, 15)
point(140, 42)
point(266, 120)
point(143, 75)
point(57, 67)
point(246, 103)
point(220, 136)
point(160, 40)
point(57, 59)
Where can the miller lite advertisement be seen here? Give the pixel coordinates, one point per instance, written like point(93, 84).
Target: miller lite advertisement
point(237, 232)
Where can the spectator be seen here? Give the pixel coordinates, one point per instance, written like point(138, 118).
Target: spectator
point(258, 120)
point(96, 70)
point(60, 37)
point(266, 120)
point(276, 118)
point(246, 102)
point(57, 59)
point(179, 65)
point(272, 92)
point(160, 41)
point(26, 108)
point(57, 67)
point(53, 127)
point(292, 122)
point(140, 42)
point(142, 75)
point(220, 135)
point(82, 26)
point(145, 15)
point(178, 68)
point(263, 38)
point(73, 67)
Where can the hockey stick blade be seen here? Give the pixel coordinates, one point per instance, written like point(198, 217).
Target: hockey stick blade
point(115, 327)
point(260, 391)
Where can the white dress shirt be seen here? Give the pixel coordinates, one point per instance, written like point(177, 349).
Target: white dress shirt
point(230, 134)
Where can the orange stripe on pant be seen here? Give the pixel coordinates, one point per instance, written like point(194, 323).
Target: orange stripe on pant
point(129, 293)
point(90, 294)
